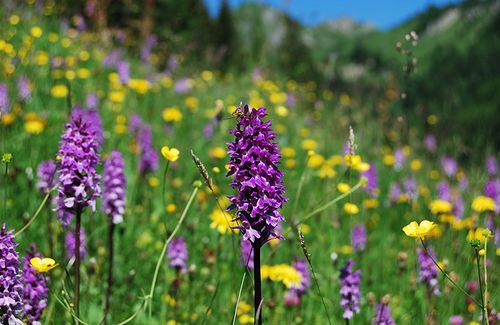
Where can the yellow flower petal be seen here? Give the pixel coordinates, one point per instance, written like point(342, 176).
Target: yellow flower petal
point(42, 264)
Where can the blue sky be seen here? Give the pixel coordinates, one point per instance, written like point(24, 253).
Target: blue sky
point(381, 13)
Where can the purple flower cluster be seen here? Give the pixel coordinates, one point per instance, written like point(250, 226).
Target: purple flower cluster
point(182, 86)
point(305, 278)
point(4, 99)
point(430, 143)
point(411, 188)
point(254, 159)
point(246, 258)
point(399, 159)
point(456, 320)
point(149, 157)
point(135, 124)
point(428, 271)
point(113, 57)
point(491, 166)
point(292, 296)
point(358, 238)
point(177, 254)
point(492, 190)
point(114, 186)
point(371, 180)
point(34, 290)
point(395, 192)
point(71, 244)
point(10, 283)
point(78, 179)
point(383, 315)
point(443, 191)
point(123, 68)
point(24, 88)
point(46, 174)
point(93, 120)
point(449, 166)
point(148, 161)
point(92, 102)
point(147, 47)
point(349, 291)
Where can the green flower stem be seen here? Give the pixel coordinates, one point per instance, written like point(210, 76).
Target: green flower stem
point(447, 276)
point(485, 299)
point(327, 205)
point(164, 249)
point(165, 184)
point(480, 283)
point(45, 199)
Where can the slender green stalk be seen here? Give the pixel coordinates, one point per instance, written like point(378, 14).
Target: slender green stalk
point(309, 261)
point(447, 276)
point(165, 184)
point(164, 249)
point(239, 296)
point(69, 310)
point(480, 283)
point(485, 299)
point(30, 221)
point(332, 202)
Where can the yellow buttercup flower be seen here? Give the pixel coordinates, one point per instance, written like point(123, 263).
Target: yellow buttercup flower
point(440, 206)
point(483, 203)
point(246, 319)
point(207, 75)
point(36, 31)
point(291, 163)
point(346, 249)
point(351, 208)
point(315, 160)
point(140, 86)
point(415, 165)
point(352, 160)
point(171, 208)
point(222, 222)
point(191, 103)
point(326, 171)
point(370, 203)
point(59, 91)
point(34, 124)
point(283, 273)
point(83, 73)
point(389, 160)
point(281, 111)
point(362, 167)
point(171, 154)
point(432, 119)
point(217, 152)
point(244, 308)
point(42, 265)
point(476, 234)
point(425, 228)
point(8, 119)
point(171, 114)
point(288, 152)
point(116, 97)
point(153, 181)
point(343, 188)
point(309, 144)
point(14, 19)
